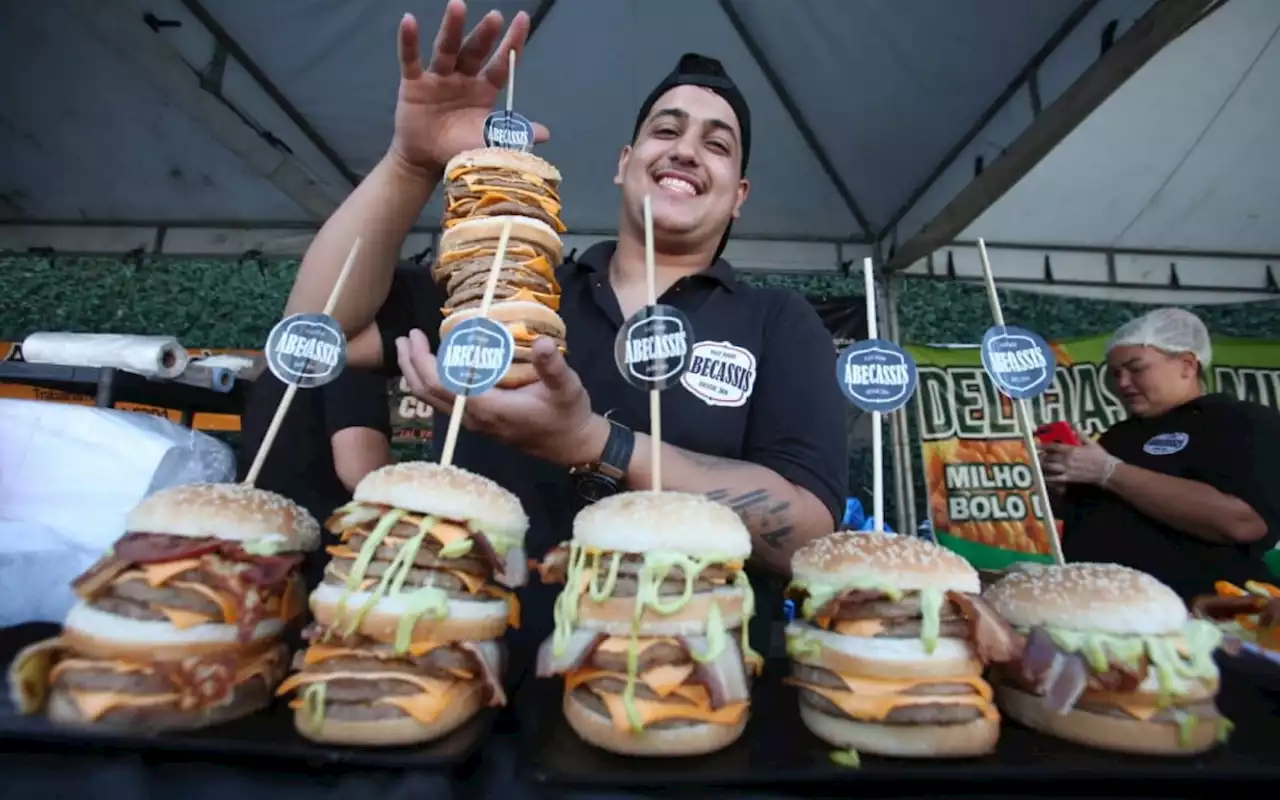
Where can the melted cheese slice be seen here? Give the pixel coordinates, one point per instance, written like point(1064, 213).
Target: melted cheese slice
point(859, 627)
point(318, 653)
point(650, 712)
point(92, 705)
point(551, 301)
point(182, 619)
point(665, 680)
point(424, 707)
point(621, 644)
point(259, 666)
point(341, 550)
point(230, 613)
point(428, 685)
point(160, 574)
point(871, 707)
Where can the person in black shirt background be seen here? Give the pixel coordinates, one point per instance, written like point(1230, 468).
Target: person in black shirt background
point(1186, 488)
point(773, 448)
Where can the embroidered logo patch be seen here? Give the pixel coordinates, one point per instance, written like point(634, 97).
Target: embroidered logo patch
point(1165, 444)
point(720, 374)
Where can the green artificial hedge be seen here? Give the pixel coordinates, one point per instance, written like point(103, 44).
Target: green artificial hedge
point(230, 303)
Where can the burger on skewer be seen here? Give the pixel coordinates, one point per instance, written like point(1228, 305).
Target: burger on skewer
point(889, 655)
point(1111, 660)
point(179, 626)
point(498, 182)
point(406, 641)
point(651, 627)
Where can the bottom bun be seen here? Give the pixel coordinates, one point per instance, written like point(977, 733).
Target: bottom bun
point(394, 732)
point(686, 740)
point(1106, 732)
point(520, 373)
point(246, 698)
point(977, 738)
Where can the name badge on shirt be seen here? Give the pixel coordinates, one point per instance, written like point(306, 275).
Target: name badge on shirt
point(1165, 444)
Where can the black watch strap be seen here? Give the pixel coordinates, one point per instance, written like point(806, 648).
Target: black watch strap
point(618, 448)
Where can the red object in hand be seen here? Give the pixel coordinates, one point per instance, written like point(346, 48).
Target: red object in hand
point(1058, 433)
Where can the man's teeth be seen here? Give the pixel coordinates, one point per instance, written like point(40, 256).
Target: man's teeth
point(677, 185)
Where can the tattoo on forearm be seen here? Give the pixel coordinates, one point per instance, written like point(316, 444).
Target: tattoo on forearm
point(710, 462)
point(761, 512)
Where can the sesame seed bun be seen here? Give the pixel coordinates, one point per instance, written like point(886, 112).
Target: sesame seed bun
point(690, 739)
point(489, 229)
point(965, 740)
point(230, 511)
point(451, 493)
point(95, 633)
point(465, 620)
point(503, 158)
point(674, 522)
point(1101, 598)
point(397, 731)
point(907, 563)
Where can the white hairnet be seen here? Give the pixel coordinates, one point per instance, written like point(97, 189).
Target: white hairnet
point(1173, 330)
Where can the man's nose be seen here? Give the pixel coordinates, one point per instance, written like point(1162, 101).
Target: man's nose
point(685, 151)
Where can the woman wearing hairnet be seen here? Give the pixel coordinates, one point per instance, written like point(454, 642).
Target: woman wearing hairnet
point(1188, 487)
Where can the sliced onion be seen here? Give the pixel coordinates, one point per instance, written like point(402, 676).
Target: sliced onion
point(515, 569)
point(489, 656)
point(725, 676)
point(1066, 681)
point(581, 645)
point(358, 516)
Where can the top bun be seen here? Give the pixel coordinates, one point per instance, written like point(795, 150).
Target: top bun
point(452, 493)
point(906, 563)
point(1099, 598)
point(502, 158)
point(674, 522)
point(230, 511)
point(482, 229)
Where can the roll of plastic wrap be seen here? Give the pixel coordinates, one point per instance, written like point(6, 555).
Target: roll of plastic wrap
point(149, 356)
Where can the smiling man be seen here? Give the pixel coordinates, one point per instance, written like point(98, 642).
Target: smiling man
point(758, 423)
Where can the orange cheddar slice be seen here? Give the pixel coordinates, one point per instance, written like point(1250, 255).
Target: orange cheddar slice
point(651, 712)
point(92, 705)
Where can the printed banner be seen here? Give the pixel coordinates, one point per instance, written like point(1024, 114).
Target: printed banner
point(982, 499)
point(410, 417)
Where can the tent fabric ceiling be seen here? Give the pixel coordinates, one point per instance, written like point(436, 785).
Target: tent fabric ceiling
point(885, 87)
point(1181, 157)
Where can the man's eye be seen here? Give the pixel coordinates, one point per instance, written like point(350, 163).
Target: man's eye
point(718, 146)
point(664, 131)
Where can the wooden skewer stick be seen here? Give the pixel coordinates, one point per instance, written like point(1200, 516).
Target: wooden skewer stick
point(655, 396)
point(460, 401)
point(1022, 413)
point(292, 389)
point(511, 79)
point(877, 418)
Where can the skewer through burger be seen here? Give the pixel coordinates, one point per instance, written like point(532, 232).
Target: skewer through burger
point(651, 627)
point(889, 652)
point(179, 626)
point(1110, 660)
point(406, 641)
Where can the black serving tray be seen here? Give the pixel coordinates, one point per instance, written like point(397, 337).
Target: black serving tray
point(268, 735)
point(776, 750)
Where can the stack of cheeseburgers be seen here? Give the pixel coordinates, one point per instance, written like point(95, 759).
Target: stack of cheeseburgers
point(650, 629)
point(890, 652)
point(179, 626)
point(484, 190)
point(406, 641)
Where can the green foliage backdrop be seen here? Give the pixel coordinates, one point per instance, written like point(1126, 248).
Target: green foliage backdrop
point(227, 303)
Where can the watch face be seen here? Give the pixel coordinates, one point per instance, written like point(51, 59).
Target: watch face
point(593, 486)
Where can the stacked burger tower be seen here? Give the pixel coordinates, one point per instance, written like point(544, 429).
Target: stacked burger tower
point(406, 641)
point(651, 626)
point(180, 625)
point(484, 190)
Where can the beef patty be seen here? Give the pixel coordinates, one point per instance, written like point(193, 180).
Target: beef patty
point(926, 714)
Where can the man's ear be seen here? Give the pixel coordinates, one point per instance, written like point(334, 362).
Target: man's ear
point(623, 158)
point(744, 189)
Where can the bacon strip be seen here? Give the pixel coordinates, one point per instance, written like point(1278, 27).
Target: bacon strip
point(1220, 607)
point(489, 657)
point(157, 548)
point(91, 583)
point(993, 639)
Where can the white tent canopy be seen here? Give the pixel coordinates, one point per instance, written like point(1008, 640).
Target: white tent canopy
point(219, 126)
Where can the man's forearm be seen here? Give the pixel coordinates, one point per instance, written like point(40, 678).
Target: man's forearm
point(780, 515)
point(381, 211)
point(1191, 507)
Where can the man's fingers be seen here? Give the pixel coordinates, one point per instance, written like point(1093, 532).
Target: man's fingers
point(540, 133)
point(478, 44)
point(552, 368)
point(496, 70)
point(407, 369)
point(407, 48)
point(444, 56)
point(424, 364)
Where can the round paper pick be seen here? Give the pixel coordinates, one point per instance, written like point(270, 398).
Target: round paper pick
point(876, 375)
point(306, 350)
point(652, 348)
point(1019, 362)
point(474, 356)
point(508, 130)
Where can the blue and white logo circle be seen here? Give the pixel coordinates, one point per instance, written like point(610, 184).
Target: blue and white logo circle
point(876, 375)
point(1019, 361)
point(307, 350)
point(508, 130)
point(1166, 444)
point(475, 355)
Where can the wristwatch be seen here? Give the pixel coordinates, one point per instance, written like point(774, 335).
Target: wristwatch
point(606, 476)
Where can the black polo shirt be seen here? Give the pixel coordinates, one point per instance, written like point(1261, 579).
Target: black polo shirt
point(1232, 445)
point(300, 464)
point(782, 410)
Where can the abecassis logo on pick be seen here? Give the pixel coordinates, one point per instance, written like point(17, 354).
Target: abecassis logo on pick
point(475, 355)
point(508, 130)
point(652, 348)
point(307, 350)
point(876, 375)
point(1020, 363)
